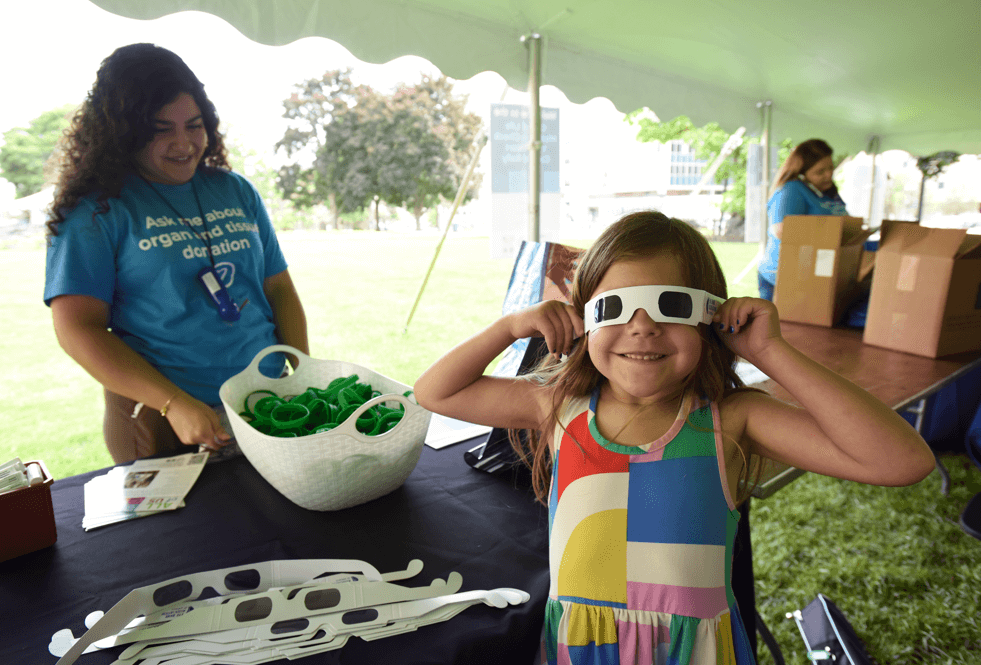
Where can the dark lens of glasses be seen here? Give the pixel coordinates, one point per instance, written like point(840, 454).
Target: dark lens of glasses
point(172, 592)
point(607, 308)
point(675, 304)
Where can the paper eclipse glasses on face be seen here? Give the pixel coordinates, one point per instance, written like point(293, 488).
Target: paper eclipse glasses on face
point(664, 304)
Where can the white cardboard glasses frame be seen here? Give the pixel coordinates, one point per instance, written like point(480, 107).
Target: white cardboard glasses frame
point(664, 304)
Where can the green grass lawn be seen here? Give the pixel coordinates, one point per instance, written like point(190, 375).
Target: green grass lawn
point(893, 559)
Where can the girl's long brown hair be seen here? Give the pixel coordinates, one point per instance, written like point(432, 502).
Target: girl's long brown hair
point(636, 235)
point(116, 121)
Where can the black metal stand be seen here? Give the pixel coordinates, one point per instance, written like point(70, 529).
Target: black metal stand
point(744, 588)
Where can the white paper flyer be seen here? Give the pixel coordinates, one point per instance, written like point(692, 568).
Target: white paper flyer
point(145, 487)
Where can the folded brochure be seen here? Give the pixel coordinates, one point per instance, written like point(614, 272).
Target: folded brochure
point(145, 487)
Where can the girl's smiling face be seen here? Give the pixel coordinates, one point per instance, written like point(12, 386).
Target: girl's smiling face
point(644, 361)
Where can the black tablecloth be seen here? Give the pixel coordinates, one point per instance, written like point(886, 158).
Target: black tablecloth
point(487, 528)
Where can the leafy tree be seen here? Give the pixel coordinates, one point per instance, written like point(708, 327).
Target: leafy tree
point(456, 130)
point(253, 165)
point(26, 152)
point(707, 142)
point(366, 147)
point(408, 149)
point(250, 163)
point(312, 108)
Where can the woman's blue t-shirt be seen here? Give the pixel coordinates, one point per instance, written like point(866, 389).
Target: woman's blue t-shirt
point(794, 198)
point(142, 258)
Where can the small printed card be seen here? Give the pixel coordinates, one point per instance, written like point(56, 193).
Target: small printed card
point(145, 487)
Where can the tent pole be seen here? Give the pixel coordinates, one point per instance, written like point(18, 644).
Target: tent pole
point(919, 204)
point(874, 150)
point(534, 44)
point(765, 117)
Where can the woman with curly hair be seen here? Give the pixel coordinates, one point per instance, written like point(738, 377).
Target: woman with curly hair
point(164, 275)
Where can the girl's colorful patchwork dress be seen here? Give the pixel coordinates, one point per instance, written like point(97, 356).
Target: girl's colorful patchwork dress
point(640, 547)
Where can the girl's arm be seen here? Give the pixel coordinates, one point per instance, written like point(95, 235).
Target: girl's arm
point(841, 431)
point(80, 325)
point(455, 385)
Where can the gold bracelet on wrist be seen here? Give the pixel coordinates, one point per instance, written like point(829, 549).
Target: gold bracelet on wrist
point(163, 409)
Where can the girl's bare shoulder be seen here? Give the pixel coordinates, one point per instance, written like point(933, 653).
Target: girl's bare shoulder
point(736, 407)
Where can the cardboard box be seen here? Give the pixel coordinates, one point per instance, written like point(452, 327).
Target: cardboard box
point(818, 273)
point(926, 291)
point(27, 517)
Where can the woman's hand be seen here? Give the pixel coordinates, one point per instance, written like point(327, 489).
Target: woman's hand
point(748, 326)
point(196, 423)
point(554, 320)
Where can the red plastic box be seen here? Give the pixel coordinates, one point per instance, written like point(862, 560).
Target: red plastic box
point(27, 518)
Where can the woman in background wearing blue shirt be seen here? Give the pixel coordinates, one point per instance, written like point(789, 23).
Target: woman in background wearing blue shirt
point(803, 187)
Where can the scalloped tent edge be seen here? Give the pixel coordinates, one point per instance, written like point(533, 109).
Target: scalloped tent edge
point(908, 72)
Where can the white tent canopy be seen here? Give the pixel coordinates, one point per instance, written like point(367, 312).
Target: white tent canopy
point(907, 71)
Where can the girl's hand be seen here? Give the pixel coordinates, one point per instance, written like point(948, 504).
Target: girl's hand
point(554, 320)
point(196, 423)
point(748, 326)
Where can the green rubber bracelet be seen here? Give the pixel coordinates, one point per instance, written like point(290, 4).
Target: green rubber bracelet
point(346, 413)
point(392, 419)
point(398, 408)
point(339, 384)
point(349, 397)
point(264, 406)
point(265, 427)
point(254, 393)
point(386, 423)
point(305, 397)
point(366, 422)
point(336, 384)
point(319, 410)
point(288, 415)
point(261, 419)
point(363, 391)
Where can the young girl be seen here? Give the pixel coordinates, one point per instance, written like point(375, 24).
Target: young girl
point(644, 436)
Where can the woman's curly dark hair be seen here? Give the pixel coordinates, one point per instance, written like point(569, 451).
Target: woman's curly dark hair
point(116, 121)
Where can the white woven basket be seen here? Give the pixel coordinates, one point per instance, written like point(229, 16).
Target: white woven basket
point(336, 469)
